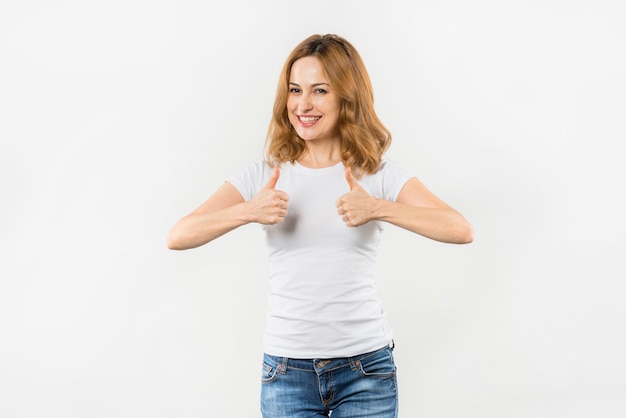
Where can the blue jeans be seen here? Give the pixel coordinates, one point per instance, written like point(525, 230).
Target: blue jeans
point(360, 386)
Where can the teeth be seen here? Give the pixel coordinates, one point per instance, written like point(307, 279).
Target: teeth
point(309, 118)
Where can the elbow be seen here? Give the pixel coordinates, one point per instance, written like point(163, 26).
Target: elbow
point(465, 234)
point(468, 238)
point(172, 245)
point(173, 241)
point(180, 239)
point(459, 231)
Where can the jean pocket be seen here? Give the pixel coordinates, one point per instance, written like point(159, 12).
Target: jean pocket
point(380, 365)
point(269, 373)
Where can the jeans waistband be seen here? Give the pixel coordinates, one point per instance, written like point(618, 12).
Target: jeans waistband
point(318, 365)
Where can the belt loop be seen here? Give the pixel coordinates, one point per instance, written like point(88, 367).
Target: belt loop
point(282, 367)
point(353, 364)
point(392, 345)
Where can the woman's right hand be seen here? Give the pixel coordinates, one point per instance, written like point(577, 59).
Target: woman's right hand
point(269, 206)
point(226, 210)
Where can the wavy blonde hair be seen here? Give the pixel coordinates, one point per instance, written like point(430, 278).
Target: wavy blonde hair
point(364, 139)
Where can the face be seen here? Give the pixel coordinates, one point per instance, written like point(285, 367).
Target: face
point(313, 106)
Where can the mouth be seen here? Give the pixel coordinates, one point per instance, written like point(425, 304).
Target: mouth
point(307, 121)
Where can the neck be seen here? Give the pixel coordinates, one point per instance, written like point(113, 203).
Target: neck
point(320, 155)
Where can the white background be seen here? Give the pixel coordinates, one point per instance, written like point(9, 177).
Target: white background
point(119, 117)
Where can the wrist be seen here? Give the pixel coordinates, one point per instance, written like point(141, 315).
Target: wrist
point(380, 209)
point(243, 212)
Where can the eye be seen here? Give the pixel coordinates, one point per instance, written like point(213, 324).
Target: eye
point(294, 90)
point(321, 91)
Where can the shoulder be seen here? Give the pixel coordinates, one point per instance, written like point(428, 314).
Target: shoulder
point(258, 168)
point(388, 180)
point(250, 179)
point(387, 170)
point(390, 167)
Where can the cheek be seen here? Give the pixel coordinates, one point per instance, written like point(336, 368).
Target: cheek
point(291, 104)
point(290, 110)
point(330, 107)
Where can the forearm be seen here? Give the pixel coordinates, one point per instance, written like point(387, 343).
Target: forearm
point(197, 229)
point(441, 224)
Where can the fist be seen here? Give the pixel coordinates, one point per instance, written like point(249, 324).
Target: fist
point(270, 206)
point(356, 206)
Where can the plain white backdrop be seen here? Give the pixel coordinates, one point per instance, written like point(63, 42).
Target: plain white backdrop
point(119, 117)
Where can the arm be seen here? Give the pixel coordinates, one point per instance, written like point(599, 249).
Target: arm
point(227, 210)
point(416, 209)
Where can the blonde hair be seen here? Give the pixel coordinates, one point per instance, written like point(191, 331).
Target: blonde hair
point(364, 139)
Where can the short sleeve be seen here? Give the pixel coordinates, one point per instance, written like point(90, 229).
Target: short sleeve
point(392, 179)
point(250, 180)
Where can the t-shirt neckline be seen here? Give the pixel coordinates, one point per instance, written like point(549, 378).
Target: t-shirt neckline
point(322, 170)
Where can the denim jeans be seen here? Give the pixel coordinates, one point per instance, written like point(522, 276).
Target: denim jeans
point(357, 387)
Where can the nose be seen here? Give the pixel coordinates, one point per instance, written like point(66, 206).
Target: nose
point(305, 103)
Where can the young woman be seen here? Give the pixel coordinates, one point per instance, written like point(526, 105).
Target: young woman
point(323, 193)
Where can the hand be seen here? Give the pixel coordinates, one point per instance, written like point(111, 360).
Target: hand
point(269, 206)
point(357, 206)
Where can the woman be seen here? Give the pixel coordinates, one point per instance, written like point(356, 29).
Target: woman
point(323, 194)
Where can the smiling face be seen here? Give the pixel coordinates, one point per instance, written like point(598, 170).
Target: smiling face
point(312, 105)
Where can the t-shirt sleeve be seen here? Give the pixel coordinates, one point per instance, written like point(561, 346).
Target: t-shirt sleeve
point(250, 180)
point(393, 178)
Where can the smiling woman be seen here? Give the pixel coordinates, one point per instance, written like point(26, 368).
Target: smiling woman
point(323, 194)
point(327, 66)
point(313, 105)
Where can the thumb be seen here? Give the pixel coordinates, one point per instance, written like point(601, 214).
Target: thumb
point(351, 180)
point(272, 181)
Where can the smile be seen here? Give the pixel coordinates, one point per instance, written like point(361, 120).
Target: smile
point(308, 120)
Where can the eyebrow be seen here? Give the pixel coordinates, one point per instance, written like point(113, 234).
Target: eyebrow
point(312, 85)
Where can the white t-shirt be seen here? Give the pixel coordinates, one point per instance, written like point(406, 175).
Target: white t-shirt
point(323, 300)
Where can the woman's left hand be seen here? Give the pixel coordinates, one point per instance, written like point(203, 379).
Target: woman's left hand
point(357, 207)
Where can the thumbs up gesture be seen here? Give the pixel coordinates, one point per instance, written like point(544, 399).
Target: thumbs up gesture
point(269, 206)
point(357, 206)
